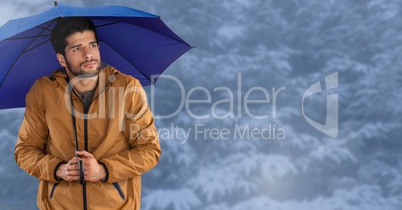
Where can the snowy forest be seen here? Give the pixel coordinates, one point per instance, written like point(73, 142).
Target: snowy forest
point(223, 153)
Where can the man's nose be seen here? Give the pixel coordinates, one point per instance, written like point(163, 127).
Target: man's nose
point(87, 55)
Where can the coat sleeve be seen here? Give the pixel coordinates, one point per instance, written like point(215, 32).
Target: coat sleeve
point(32, 137)
point(142, 136)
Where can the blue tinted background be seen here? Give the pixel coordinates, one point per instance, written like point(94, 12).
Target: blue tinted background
point(245, 45)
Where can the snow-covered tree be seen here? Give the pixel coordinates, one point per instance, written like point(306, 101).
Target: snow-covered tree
point(225, 154)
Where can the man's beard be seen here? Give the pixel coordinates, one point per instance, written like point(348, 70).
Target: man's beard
point(78, 72)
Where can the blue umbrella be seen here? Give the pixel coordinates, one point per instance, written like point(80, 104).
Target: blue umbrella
point(135, 42)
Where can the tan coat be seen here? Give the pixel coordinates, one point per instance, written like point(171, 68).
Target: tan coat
point(118, 130)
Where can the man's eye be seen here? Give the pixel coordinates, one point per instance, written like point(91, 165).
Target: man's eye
point(75, 49)
point(94, 45)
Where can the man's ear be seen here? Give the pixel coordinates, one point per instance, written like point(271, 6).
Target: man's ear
point(61, 59)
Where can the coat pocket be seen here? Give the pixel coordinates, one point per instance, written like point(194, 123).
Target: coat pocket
point(119, 190)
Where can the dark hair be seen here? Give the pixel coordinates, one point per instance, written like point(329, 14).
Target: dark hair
point(67, 26)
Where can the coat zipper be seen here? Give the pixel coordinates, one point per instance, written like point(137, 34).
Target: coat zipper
point(84, 192)
point(84, 186)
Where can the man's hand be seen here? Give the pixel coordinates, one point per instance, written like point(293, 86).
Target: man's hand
point(93, 170)
point(69, 171)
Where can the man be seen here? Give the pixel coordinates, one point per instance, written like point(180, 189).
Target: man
point(92, 108)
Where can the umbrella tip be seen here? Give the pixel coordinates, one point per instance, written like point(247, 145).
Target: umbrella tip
point(55, 3)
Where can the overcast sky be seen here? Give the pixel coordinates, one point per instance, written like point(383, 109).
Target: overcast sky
point(12, 9)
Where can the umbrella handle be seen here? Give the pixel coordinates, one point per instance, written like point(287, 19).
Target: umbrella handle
point(81, 170)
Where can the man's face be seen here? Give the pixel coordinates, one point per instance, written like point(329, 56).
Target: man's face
point(82, 54)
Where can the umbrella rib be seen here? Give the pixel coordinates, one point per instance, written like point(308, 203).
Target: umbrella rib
point(129, 62)
point(115, 22)
point(26, 37)
point(159, 32)
point(24, 51)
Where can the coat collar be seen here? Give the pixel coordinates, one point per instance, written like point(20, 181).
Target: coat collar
point(107, 75)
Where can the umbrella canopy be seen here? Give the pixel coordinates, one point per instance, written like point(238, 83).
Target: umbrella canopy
point(135, 42)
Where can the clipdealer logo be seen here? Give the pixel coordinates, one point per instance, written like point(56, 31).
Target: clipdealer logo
point(238, 101)
point(330, 127)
